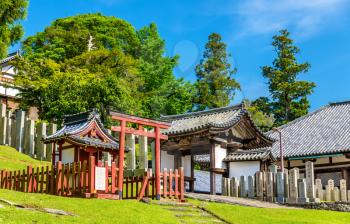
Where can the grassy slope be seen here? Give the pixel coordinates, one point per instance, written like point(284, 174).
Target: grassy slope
point(87, 210)
point(247, 215)
point(10, 159)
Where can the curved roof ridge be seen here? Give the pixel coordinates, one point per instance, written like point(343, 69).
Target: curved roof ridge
point(200, 113)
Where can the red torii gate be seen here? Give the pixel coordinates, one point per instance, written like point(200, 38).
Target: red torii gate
point(122, 129)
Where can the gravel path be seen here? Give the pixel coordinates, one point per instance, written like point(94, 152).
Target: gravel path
point(236, 201)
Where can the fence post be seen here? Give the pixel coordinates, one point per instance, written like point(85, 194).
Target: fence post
point(29, 179)
point(176, 183)
point(165, 180)
point(91, 174)
point(182, 184)
point(58, 178)
point(113, 172)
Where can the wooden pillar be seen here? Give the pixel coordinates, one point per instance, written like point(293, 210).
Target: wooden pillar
point(212, 166)
point(192, 174)
point(53, 157)
point(157, 161)
point(60, 151)
point(121, 158)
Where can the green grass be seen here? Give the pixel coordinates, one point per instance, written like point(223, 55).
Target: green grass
point(248, 215)
point(87, 210)
point(11, 159)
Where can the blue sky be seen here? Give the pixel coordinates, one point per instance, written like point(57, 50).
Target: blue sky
point(321, 28)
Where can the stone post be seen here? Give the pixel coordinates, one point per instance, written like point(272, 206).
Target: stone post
point(130, 143)
point(328, 195)
point(3, 130)
point(319, 189)
point(280, 187)
point(270, 196)
point(242, 187)
point(251, 188)
point(8, 128)
point(342, 185)
point(293, 185)
point(3, 110)
point(51, 129)
point(302, 193)
point(331, 184)
point(273, 168)
point(335, 194)
point(259, 183)
point(224, 186)
point(349, 195)
point(13, 133)
point(228, 186)
point(310, 185)
point(20, 119)
point(143, 155)
point(39, 145)
point(234, 187)
point(29, 137)
point(286, 184)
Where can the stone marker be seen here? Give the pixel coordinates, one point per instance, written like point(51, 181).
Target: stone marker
point(242, 187)
point(259, 183)
point(143, 149)
point(270, 196)
point(331, 184)
point(335, 194)
point(39, 145)
point(8, 128)
point(234, 186)
point(286, 183)
point(328, 196)
point(310, 186)
point(293, 185)
point(273, 168)
point(3, 110)
point(29, 137)
point(51, 129)
point(228, 184)
point(13, 133)
point(280, 187)
point(3, 130)
point(343, 192)
point(319, 189)
point(302, 193)
point(130, 143)
point(349, 195)
point(20, 118)
point(251, 188)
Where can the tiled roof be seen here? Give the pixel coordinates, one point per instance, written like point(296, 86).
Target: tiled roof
point(9, 57)
point(76, 123)
point(325, 131)
point(245, 155)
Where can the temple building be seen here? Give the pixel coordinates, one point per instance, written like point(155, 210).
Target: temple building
point(321, 137)
point(81, 136)
point(224, 138)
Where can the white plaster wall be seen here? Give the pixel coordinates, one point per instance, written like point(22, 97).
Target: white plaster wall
point(8, 91)
point(186, 164)
point(220, 154)
point(68, 155)
point(166, 160)
point(244, 168)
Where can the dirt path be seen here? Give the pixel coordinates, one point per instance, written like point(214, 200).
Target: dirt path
point(236, 201)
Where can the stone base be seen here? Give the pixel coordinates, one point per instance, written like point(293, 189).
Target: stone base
point(316, 200)
point(292, 200)
point(303, 200)
point(280, 199)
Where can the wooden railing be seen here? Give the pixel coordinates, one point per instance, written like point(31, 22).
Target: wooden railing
point(78, 179)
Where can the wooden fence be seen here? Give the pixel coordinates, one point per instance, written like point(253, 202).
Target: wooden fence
point(78, 179)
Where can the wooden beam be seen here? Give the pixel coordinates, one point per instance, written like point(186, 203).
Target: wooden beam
point(139, 120)
point(129, 130)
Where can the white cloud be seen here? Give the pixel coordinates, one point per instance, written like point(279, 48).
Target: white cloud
point(305, 17)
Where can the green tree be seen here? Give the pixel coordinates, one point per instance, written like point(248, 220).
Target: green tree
point(215, 83)
point(288, 94)
point(11, 11)
point(261, 119)
point(117, 67)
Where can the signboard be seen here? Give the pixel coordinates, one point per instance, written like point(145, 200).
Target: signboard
point(100, 178)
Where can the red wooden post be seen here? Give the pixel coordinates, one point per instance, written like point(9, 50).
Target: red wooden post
point(165, 180)
point(182, 184)
point(47, 181)
point(74, 177)
point(63, 179)
point(23, 189)
point(29, 179)
point(79, 176)
point(58, 178)
point(171, 183)
point(53, 154)
point(83, 173)
point(1, 179)
point(121, 158)
point(53, 180)
point(10, 181)
point(176, 183)
point(67, 178)
point(144, 185)
point(113, 177)
point(91, 174)
point(107, 183)
point(42, 180)
point(60, 151)
point(157, 161)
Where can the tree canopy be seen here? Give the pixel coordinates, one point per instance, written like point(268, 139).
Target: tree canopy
point(11, 11)
point(288, 94)
point(215, 83)
point(99, 61)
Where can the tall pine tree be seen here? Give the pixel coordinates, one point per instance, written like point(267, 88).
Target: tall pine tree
point(215, 83)
point(289, 95)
